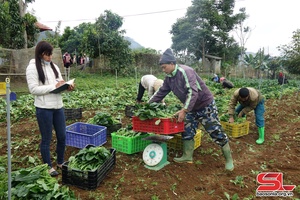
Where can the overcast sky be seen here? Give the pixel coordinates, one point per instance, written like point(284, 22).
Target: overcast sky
point(149, 22)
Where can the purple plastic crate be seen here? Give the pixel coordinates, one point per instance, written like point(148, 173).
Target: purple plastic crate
point(81, 134)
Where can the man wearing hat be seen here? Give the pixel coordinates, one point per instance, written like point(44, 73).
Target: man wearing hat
point(149, 83)
point(249, 99)
point(198, 107)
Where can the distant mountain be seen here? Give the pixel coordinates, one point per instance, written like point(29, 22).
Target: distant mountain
point(43, 35)
point(133, 43)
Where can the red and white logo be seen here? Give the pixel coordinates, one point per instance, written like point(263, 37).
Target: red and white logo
point(271, 184)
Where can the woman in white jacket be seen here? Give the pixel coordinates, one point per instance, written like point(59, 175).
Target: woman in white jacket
point(149, 83)
point(43, 76)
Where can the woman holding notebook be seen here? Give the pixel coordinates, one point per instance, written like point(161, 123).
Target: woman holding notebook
point(43, 76)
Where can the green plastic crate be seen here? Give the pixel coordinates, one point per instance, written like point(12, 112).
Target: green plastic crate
point(129, 145)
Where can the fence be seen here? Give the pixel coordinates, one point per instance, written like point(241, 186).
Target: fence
point(13, 62)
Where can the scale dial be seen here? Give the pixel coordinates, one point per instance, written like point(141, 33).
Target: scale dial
point(153, 154)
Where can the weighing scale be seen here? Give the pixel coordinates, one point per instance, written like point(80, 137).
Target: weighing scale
point(155, 154)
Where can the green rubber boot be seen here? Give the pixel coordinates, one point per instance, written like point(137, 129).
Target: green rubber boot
point(261, 138)
point(188, 151)
point(227, 154)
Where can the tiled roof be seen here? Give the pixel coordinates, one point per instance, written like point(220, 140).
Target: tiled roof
point(43, 27)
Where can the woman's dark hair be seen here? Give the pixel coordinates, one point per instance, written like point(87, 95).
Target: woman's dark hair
point(45, 48)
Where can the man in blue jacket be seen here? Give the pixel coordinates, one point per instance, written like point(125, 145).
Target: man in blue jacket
point(198, 107)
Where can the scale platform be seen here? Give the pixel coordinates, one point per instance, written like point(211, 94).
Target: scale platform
point(155, 154)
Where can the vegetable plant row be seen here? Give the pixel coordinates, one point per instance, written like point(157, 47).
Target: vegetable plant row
point(114, 100)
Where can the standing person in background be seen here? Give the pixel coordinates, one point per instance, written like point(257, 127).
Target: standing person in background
point(42, 77)
point(82, 62)
point(226, 83)
point(75, 59)
point(282, 79)
point(67, 64)
point(149, 83)
point(249, 99)
point(198, 107)
point(87, 60)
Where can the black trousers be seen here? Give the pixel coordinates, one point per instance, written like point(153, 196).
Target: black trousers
point(140, 92)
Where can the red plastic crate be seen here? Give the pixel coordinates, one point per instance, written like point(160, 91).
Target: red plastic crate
point(166, 125)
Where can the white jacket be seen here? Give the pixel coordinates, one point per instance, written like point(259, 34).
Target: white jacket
point(42, 96)
point(147, 82)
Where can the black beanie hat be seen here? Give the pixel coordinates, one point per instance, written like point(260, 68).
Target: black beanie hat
point(167, 57)
point(244, 92)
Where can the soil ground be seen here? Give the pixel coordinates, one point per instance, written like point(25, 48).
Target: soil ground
point(206, 177)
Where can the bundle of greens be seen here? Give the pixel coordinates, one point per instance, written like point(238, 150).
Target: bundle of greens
point(155, 110)
point(89, 159)
point(127, 133)
point(103, 119)
point(237, 120)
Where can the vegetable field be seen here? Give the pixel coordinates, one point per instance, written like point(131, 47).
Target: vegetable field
point(130, 180)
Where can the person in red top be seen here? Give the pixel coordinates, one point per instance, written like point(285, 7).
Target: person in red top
point(282, 79)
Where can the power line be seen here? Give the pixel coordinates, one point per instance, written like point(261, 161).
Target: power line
point(133, 15)
point(154, 12)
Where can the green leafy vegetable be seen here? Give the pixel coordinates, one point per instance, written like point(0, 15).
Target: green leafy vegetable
point(155, 110)
point(89, 159)
point(36, 183)
point(237, 120)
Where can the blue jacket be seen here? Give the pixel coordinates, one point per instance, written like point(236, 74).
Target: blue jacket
point(189, 88)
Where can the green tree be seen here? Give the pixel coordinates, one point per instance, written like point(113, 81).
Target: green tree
point(100, 38)
point(17, 27)
point(145, 57)
point(54, 39)
point(111, 40)
point(73, 40)
point(205, 29)
point(243, 33)
point(291, 53)
point(274, 66)
point(259, 61)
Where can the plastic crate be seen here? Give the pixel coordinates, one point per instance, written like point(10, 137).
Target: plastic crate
point(113, 128)
point(73, 113)
point(88, 180)
point(236, 130)
point(177, 144)
point(2, 88)
point(129, 111)
point(129, 145)
point(81, 134)
point(166, 125)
